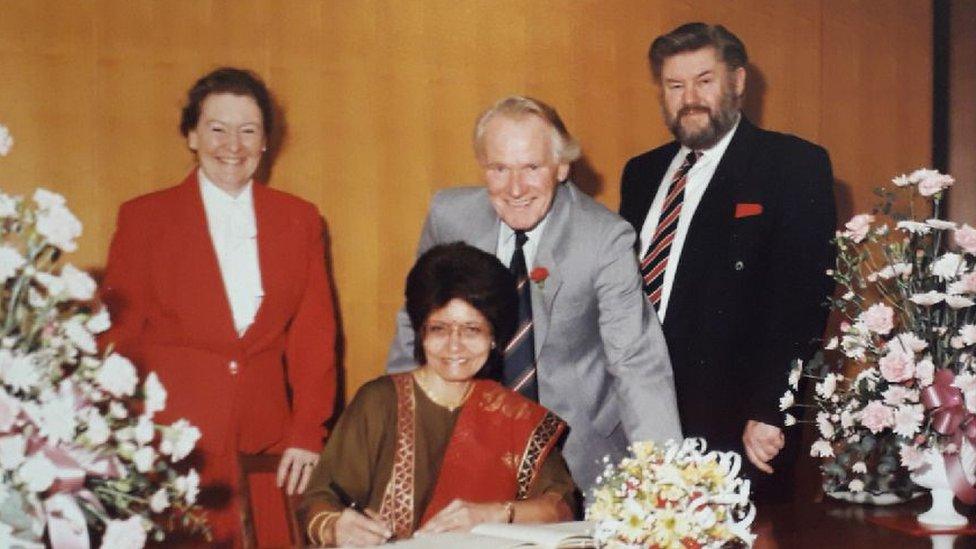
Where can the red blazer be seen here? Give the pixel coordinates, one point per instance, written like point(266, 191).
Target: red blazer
point(170, 315)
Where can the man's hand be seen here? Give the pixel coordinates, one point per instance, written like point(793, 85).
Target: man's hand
point(762, 443)
point(295, 469)
point(462, 516)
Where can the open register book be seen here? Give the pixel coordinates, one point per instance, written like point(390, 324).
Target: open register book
point(561, 535)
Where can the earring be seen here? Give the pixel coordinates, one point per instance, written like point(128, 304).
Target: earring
point(493, 345)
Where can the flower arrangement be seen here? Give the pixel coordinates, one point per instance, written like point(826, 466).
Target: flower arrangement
point(78, 444)
point(909, 326)
point(676, 496)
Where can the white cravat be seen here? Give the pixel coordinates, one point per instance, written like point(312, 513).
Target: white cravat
point(234, 233)
point(506, 243)
point(696, 184)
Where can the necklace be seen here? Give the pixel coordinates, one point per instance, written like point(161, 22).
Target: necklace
point(420, 376)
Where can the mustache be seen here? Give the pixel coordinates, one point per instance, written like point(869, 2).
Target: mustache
point(692, 109)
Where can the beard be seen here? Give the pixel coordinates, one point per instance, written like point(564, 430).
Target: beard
point(720, 121)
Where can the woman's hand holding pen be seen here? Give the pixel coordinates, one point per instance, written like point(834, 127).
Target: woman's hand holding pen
point(356, 529)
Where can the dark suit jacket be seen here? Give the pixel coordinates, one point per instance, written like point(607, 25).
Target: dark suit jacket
point(170, 315)
point(749, 293)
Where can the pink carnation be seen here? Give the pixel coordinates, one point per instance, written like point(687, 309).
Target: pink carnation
point(966, 238)
point(879, 318)
point(934, 183)
point(912, 458)
point(876, 416)
point(858, 226)
point(897, 366)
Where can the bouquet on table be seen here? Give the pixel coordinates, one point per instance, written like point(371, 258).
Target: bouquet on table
point(676, 496)
point(909, 325)
point(78, 444)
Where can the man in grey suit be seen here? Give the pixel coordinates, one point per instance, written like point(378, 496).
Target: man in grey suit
point(600, 359)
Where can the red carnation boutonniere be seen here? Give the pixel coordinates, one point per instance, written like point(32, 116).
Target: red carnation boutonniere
point(539, 276)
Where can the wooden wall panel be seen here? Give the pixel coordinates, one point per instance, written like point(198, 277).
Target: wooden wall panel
point(379, 98)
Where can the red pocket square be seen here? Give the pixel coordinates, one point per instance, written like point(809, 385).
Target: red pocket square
point(747, 209)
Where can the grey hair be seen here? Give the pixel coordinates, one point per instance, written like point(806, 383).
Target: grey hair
point(565, 147)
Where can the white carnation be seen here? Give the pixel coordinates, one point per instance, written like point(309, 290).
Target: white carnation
point(144, 459)
point(179, 439)
point(20, 371)
point(10, 262)
point(948, 266)
point(786, 401)
point(188, 486)
point(159, 501)
point(99, 322)
point(46, 199)
point(98, 430)
point(959, 302)
point(145, 430)
point(155, 394)
point(914, 227)
point(941, 224)
point(930, 297)
point(79, 284)
point(117, 376)
point(13, 450)
point(821, 448)
point(59, 226)
point(76, 331)
point(37, 473)
point(57, 419)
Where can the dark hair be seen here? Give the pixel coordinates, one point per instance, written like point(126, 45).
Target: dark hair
point(227, 80)
point(459, 271)
point(693, 37)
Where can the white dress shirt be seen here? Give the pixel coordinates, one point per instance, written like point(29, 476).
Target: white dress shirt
point(506, 243)
point(234, 233)
point(695, 185)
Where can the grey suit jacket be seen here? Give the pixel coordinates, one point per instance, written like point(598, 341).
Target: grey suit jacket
point(602, 362)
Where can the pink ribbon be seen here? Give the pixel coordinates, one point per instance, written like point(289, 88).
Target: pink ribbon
point(951, 418)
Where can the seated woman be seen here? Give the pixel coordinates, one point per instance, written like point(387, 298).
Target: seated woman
point(441, 448)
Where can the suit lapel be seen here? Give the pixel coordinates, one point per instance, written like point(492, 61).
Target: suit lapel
point(708, 235)
point(275, 257)
point(547, 255)
point(201, 269)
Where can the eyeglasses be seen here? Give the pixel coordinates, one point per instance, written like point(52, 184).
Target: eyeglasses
point(469, 334)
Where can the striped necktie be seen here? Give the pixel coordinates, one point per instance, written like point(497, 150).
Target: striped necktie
point(519, 370)
point(655, 260)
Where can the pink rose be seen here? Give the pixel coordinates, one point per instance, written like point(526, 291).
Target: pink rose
point(897, 366)
point(858, 227)
point(933, 183)
point(966, 238)
point(879, 318)
point(876, 416)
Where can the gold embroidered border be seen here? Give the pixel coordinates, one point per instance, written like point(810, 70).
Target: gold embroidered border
point(397, 507)
point(529, 466)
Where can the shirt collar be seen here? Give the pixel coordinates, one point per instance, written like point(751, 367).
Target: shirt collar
point(507, 233)
point(215, 195)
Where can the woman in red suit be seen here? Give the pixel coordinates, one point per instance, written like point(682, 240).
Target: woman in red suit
point(219, 286)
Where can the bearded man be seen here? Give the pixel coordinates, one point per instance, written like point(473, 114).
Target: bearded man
point(734, 226)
